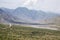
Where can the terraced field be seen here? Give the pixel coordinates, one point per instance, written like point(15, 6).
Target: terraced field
point(16, 32)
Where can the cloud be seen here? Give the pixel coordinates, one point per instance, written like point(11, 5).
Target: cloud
point(46, 5)
point(11, 4)
point(52, 5)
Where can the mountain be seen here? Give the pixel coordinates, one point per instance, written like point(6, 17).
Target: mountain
point(22, 14)
point(4, 16)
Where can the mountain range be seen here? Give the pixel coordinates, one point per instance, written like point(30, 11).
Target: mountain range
point(23, 14)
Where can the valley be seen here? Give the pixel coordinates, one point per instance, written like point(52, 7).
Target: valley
point(25, 24)
point(18, 32)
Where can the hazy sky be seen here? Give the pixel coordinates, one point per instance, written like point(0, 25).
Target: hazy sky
point(46, 5)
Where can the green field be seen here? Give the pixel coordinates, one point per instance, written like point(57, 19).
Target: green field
point(27, 33)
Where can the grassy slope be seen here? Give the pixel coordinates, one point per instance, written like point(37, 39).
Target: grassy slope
point(27, 33)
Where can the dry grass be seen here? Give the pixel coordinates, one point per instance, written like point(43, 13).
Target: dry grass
point(27, 33)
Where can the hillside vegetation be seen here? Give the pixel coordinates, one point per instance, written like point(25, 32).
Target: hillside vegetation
point(56, 20)
point(16, 32)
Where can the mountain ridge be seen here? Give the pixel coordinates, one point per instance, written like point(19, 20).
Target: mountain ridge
point(22, 14)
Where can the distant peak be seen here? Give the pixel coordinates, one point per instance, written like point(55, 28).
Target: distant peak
point(1, 10)
point(21, 8)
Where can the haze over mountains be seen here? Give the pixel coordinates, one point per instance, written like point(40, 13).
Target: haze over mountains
point(22, 14)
